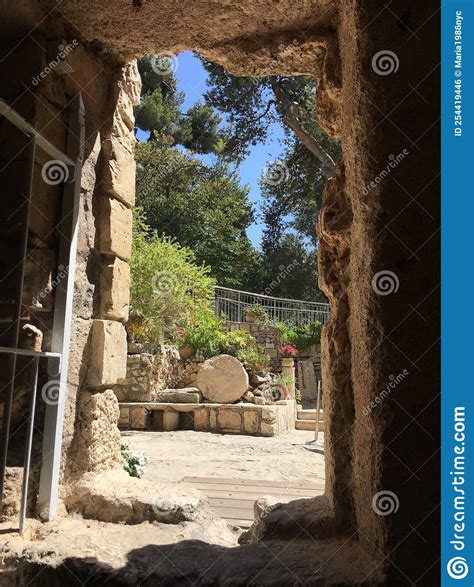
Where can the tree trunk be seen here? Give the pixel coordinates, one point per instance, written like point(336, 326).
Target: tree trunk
point(291, 119)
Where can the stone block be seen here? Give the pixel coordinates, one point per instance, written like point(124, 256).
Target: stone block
point(222, 379)
point(115, 228)
point(201, 419)
point(269, 414)
point(229, 419)
point(251, 422)
point(114, 289)
point(108, 357)
point(98, 443)
point(178, 396)
point(80, 331)
point(213, 419)
point(267, 429)
point(118, 175)
point(138, 418)
point(124, 419)
point(170, 420)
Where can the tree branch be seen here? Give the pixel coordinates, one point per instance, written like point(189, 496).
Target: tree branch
point(291, 110)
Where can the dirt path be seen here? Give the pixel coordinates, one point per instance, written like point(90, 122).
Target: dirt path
point(174, 455)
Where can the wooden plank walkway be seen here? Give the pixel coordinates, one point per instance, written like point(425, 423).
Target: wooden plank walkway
point(233, 499)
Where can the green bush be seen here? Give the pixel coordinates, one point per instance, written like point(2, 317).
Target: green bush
point(242, 345)
point(236, 341)
point(167, 286)
point(302, 335)
point(253, 358)
point(202, 330)
point(258, 311)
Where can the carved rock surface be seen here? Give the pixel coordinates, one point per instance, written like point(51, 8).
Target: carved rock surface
point(222, 379)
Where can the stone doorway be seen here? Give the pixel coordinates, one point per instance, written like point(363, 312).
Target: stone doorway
point(393, 227)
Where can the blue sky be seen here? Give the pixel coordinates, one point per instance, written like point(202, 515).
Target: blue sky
point(191, 78)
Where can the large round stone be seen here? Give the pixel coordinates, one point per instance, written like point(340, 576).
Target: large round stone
point(222, 379)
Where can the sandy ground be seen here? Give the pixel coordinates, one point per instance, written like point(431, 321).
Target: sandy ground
point(174, 455)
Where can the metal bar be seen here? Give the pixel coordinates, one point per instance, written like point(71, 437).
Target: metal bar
point(23, 125)
point(257, 295)
point(62, 321)
point(28, 445)
point(16, 331)
point(29, 353)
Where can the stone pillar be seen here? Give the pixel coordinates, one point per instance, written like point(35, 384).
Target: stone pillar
point(288, 370)
point(170, 420)
point(110, 237)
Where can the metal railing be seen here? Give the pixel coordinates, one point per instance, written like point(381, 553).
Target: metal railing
point(232, 303)
point(58, 354)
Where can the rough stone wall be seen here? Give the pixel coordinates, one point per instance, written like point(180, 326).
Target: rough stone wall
point(242, 418)
point(43, 95)
point(149, 374)
point(99, 342)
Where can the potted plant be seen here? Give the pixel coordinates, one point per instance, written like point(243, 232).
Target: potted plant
point(255, 313)
point(288, 353)
point(186, 351)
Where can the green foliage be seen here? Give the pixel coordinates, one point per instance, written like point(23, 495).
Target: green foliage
point(290, 206)
point(258, 311)
point(302, 335)
point(203, 332)
point(290, 270)
point(254, 358)
point(202, 206)
point(235, 341)
point(167, 285)
point(160, 111)
point(203, 135)
point(280, 379)
point(242, 345)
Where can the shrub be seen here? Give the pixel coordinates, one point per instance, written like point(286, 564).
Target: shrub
point(236, 341)
point(301, 335)
point(253, 358)
point(167, 286)
point(202, 331)
point(258, 311)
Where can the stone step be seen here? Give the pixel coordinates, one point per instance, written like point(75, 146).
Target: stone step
point(309, 414)
point(308, 425)
point(186, 395)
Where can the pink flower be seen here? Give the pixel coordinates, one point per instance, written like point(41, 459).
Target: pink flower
point(288, 350)
point(180, 331)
